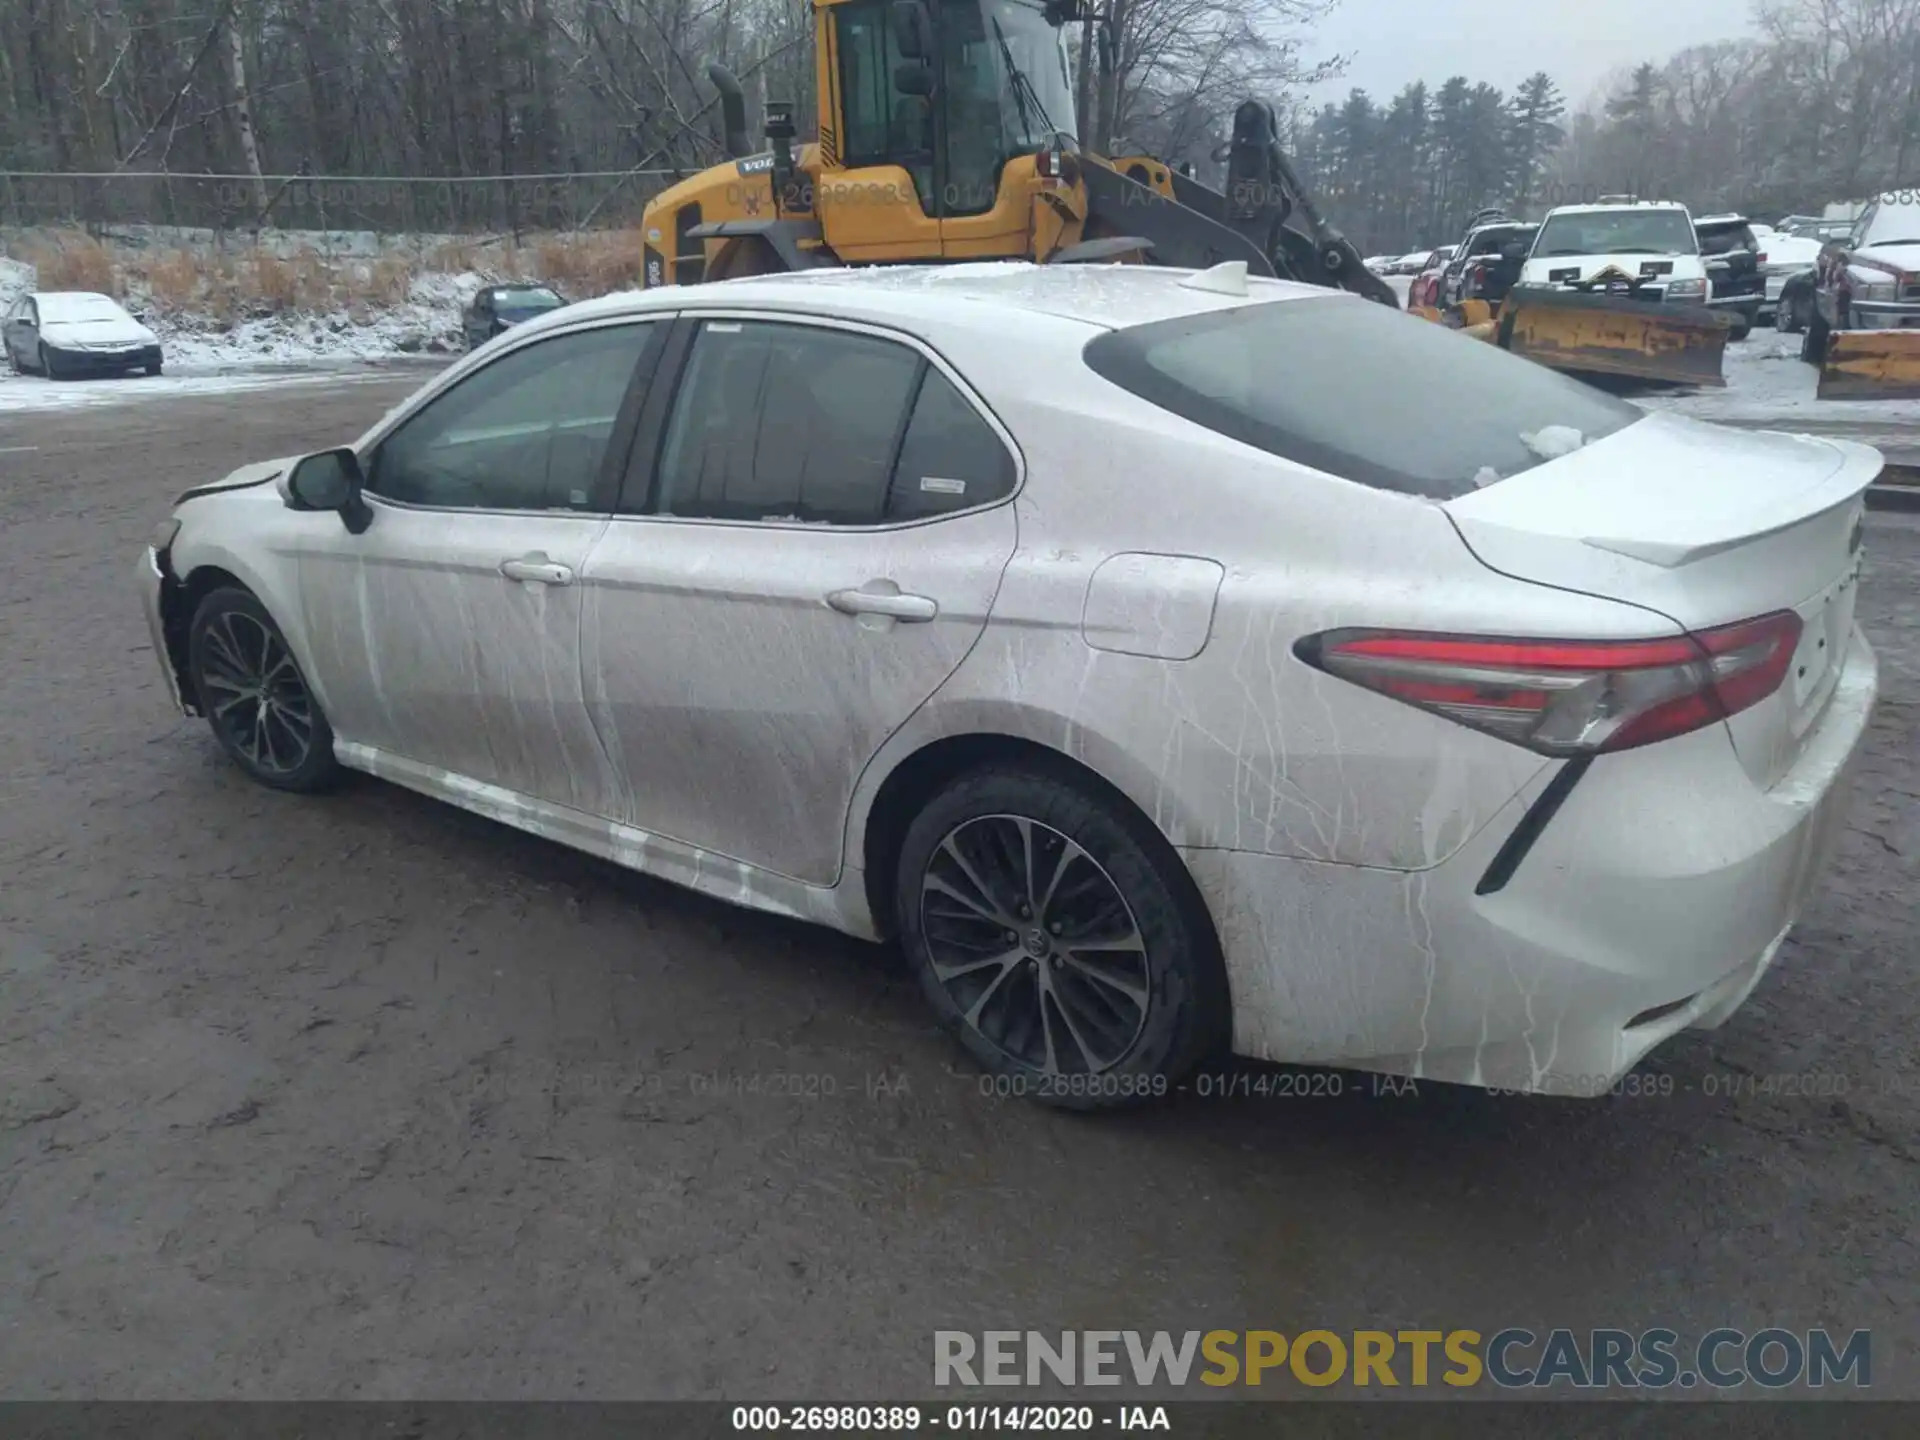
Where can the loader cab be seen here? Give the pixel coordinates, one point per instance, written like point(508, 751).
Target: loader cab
point(935, 112)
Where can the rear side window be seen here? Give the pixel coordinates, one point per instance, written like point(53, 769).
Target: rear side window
point(1360, 391)
point(796, 423)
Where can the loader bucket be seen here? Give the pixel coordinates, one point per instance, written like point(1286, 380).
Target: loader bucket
point(1615, 335)
point(1871, 365)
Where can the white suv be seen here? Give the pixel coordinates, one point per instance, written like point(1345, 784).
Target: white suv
point(1645, 248)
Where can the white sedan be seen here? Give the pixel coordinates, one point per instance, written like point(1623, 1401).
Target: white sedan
point(1171, 662)
point(65, 333)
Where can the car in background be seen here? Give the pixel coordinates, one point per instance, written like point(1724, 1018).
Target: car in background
point(1788, 265)
point(1535, 775)
point(63, 333)
point(1411, 263)
point(1825, 231)
point(1425, 289)
point(1380, 264)
point(1649, 245)
point(1482, 268)
point(1870, 280)
point(1736, 282)
point(498, 308)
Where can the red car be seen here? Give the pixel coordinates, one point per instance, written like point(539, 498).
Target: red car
point(1425, 289)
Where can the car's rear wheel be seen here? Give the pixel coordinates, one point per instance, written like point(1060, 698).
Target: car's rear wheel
point(255, 697)
point(1059, 939)
point(154, 367)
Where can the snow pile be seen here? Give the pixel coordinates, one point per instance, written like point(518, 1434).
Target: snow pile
point(14, 278)
point(427, 322)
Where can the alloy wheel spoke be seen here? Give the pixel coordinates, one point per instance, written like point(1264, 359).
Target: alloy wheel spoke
point(993, 988)
point(1137, 994)
point(949, 973)
point(988, 903)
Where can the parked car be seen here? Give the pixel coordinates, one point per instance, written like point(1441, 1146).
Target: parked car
point(1870, 280)
point(1825, 231)
point(1425, 289)
point(1412, 263)
point(1481, 268)
point(1652, 241)
point(867, 602)
point(58, 333)
point(1736, 283)
point(1788, 267)
point(498, 308)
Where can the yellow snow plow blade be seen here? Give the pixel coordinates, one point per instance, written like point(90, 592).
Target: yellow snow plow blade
point(1871, 365)
point(1608, 335)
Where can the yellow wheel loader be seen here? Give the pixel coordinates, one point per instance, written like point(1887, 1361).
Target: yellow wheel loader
point(945, 134)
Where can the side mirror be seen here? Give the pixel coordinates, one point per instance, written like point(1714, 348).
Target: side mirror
point(913, 77)
point(913, 29)
point(331, 480)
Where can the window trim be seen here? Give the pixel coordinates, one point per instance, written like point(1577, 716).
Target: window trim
point(641, 485)
point(613, 463)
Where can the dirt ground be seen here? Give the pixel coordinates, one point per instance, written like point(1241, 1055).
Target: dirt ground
point(362, 1097)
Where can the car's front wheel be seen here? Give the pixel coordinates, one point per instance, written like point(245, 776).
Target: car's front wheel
point(255, 697)
point(49, 367)
point(1059, 939)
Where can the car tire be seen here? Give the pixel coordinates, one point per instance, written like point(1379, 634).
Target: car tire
point(155, 367)
point(1739, 331)
point(235, 652)
point(49, 368)
point(1079, 1027)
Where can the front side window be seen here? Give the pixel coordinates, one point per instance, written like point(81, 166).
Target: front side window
point(804, 424)
point(1008, 91)
point(1361, 392)
point(527, 432)
point(1618, 232)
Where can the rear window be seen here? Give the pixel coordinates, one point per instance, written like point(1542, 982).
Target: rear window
point(1360, 391)
point(1725, 239)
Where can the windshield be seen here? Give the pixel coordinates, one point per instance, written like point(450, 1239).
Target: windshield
point(1009, 88)
point(1362, 392)
point(515, 301)
point(78, 309)
point(1894, 225)
point(1618, 232)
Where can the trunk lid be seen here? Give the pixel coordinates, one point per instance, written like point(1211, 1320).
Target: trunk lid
point(1703, 526)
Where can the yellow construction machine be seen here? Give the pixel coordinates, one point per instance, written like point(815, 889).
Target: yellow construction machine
point(945, 134)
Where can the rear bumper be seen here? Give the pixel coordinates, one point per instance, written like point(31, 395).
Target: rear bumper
point(1654, 900)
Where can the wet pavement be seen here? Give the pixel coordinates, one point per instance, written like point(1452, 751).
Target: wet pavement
point(365, 1097)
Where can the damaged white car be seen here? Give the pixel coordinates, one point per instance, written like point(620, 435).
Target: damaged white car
point(1172, 663)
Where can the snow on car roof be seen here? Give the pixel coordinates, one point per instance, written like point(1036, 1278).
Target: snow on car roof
point(1616, 207)
point(75, 304)
point(1109, 297)
point(1700, 220)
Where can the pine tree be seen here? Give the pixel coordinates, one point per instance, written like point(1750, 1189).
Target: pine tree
point(1536, 114)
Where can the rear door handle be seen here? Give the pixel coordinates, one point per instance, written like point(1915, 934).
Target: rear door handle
point(889, 602)
point(537, 569)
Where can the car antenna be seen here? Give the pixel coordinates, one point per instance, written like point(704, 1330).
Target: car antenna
point(1229, 277)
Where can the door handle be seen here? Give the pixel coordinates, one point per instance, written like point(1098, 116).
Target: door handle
point(890, 602)
point(536, 569)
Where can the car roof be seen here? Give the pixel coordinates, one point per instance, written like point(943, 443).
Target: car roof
point(73, 295)
point(1089, 297)
point(1700, 220)
point(1616, 207)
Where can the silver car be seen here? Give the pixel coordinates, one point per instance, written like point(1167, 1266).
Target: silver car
point(1173, 663)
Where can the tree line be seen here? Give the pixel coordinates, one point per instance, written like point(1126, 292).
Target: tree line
point(1822, 103)
point(1820, 106)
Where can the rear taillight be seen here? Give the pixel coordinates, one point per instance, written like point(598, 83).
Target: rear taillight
point(1569, 697)
point(1761, 258)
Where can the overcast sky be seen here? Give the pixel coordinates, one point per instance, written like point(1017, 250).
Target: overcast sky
point(1393, 42)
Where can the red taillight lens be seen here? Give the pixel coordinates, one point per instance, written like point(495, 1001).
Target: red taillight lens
point(1761, 258)
point(1569, 697)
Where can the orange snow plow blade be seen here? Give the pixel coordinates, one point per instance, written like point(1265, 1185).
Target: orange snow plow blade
point(1871, 365)
point(1608, 335)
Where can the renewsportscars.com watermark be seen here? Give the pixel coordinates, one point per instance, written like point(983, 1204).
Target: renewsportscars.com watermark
point(1509, 1359)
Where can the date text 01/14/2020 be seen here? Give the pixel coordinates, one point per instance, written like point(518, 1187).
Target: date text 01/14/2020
point(957, 1419)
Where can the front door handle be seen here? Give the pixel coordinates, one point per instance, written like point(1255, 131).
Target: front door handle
point(537, 569)
point(871, 599)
